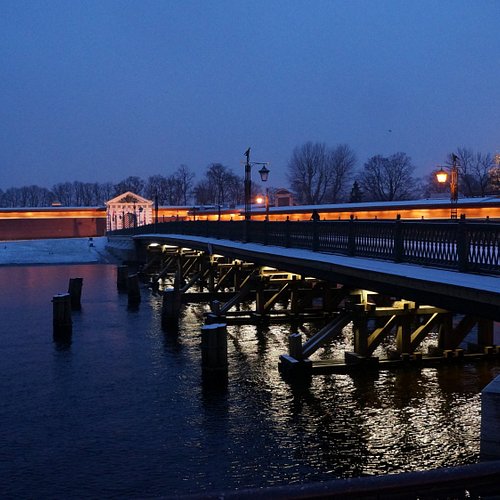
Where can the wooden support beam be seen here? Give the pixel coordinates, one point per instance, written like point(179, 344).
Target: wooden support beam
point(376, 337)
point(168, 264)
point(463, 328)
point(445, 332)
point(224, 278)
point(403, 334)
point(333, 296)
point(485, 332)
point(244, 291)
point(423, 330)
point(294, 296)
point(260, 300)
point(270, 303)
point(325, 334)
point(194, 278)
point(189, 263)
point(360, 330)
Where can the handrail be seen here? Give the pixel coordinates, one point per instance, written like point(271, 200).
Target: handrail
point(466, 246)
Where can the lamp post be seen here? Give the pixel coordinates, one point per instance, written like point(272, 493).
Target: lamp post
point(442, 177)
point(264, 172)
point(248, 185)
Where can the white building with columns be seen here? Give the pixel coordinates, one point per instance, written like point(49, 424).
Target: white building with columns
point(128, 210)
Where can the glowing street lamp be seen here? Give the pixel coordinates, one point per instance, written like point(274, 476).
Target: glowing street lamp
point(264, 172)
point(442, 178)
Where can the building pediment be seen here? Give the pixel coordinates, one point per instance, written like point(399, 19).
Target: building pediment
point(128, 198)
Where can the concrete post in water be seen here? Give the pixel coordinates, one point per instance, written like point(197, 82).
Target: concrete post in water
point(490, 421)
point(295, 346)
point(171, 307)
point(61, 309)
point(214, 348)
point(75, 292)
point(121, 277)
point(133, 289)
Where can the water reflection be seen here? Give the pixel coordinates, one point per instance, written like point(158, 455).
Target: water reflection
point(122, 408)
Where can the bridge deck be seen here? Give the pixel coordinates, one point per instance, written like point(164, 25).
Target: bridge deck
point(459, 292)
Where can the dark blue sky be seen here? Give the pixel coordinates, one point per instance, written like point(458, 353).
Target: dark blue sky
point(100, 90)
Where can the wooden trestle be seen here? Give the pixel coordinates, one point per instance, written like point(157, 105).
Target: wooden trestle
point(186, 276)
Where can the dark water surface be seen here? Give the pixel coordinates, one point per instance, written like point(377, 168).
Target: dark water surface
point(121, 411)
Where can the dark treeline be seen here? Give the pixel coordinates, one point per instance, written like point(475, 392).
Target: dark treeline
point(317, 174)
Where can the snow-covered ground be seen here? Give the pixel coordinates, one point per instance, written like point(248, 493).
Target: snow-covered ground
point(54, 251)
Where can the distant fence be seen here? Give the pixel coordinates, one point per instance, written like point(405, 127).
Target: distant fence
point(461, 245)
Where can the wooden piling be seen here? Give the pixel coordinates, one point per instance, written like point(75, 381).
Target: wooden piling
point(133, 290)
point(171, 306)
point(214, 348)
point(75, 292)
point(295, 346)
point(121, 277)
point(61, 313)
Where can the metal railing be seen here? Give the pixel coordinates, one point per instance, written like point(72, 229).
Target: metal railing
point(461, 245)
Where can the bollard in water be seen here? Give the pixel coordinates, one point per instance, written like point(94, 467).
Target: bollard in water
point(75, 292)
point(61, 308)
point(490, 421)
point(121, 277)
point(133, 289)
point(295, 346)
point(214, 348)
point(171, 307)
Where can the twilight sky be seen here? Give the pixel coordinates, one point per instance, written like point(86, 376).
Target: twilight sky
point(98, 90)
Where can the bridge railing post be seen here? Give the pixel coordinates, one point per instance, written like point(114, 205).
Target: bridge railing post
point(398, 240)
point(462, 245)
point(315, 236)
point(287, 232)
point(351, 237)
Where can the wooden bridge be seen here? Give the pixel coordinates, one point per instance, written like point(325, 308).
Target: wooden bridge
point(394, 281)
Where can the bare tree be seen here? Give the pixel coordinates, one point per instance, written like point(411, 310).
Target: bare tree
point(157, 185)
point(307, 173)
point(318, 174)
point(64, 193)
point(185, 179)
point(220, 186)
point(388, 179)
point(27, 196)
point(474, 171)
point(203, 193)
point(131, 183)
point(341, 162)
point(494, 180)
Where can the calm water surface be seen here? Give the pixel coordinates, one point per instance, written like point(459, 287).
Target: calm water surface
point(121, 410)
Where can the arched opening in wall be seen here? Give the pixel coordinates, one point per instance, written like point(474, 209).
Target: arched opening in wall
point(130, 220)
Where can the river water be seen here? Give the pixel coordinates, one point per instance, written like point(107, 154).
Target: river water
point(121, 410)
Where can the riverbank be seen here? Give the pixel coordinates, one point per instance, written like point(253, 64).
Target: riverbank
point(55, 251)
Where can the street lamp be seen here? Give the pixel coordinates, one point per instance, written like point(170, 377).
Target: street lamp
point(442, 178)
point(264, 172)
